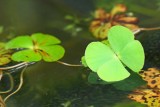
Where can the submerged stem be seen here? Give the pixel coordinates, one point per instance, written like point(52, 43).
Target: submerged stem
point(20, 85)
point(11, 84)
point(14, 66)
point(67, 64)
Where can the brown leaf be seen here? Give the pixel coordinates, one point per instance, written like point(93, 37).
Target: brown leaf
point(104, 20)
point(133, 20)
point(150, 94)
point(152, 76)
point(118, 8)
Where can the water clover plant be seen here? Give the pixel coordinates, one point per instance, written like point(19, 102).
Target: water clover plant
point(36, 47)
point(110, 59)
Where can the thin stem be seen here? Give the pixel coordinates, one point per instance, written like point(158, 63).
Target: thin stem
point(11, 86)
point(155, 28)
point(67, 64)
point(14, 66)
point(2, 104)
point(20, 85)
point(145, 29)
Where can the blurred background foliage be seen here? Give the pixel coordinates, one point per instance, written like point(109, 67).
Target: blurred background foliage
point(48, 16)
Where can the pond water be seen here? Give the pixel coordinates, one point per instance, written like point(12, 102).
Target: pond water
point(56, 85)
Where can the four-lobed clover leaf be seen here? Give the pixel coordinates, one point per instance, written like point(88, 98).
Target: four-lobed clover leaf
point(36, 47)
point(109, 60)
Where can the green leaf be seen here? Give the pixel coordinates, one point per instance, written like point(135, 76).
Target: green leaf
point(119, 37)
point(96, 54)
point(112, 71)
point(20, 42)
point(110, 58)
point(131, 83)
point(37, 46)
point(52, 53)
point(44, 39)
point(26, 55)
point(101, 59)
point(105, 42)
point(93, 78)
point(132, 55)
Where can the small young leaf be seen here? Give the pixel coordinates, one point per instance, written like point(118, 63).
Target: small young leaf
point(83, 61)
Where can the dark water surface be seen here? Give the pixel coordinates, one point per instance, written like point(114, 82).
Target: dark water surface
point(56, 85)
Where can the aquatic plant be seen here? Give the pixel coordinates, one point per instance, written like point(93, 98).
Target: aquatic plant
point(27, 49)
point(109, 59)
point(36, 47)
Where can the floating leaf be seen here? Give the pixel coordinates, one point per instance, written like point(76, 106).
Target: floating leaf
point(52, 53)
point(97, 54)
point(130, 83)
point(113, 70)
point(119, 37)
point(5, 55)
point(36, 47)
point(44, 40)
point(134, 61)
point(108, 60)
point(20, 42)
point(26, 55)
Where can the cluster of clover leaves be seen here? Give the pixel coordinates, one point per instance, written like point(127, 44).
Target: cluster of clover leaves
point(108, 59)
